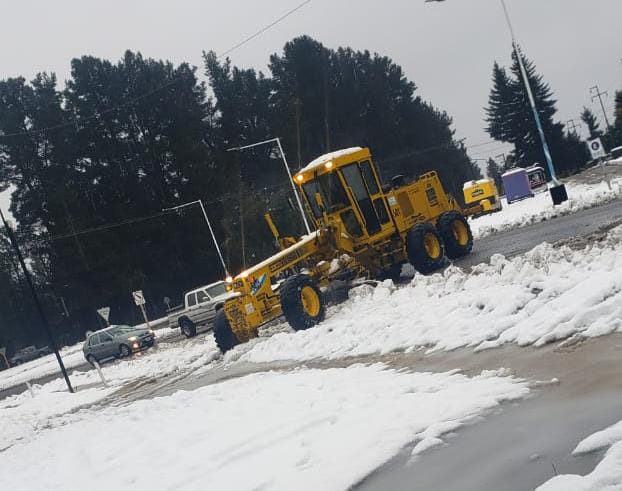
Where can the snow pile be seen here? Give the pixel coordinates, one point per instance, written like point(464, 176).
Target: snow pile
point(24, 416)
point(608, 473)
point(548, 294)
point(303, 430)
point(540, 207)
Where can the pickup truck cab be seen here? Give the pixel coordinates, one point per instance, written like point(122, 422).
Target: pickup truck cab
point(199, 309)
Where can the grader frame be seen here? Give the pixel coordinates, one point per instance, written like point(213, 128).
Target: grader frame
point(360, 228)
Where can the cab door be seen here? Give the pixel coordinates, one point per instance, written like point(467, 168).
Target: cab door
point(362, 184)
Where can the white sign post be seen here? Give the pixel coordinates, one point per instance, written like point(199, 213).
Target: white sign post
point(596, 148)
point(105, 313)
point(139, 299)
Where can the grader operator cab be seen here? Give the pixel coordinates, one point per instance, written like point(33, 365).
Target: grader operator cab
point(361, 228)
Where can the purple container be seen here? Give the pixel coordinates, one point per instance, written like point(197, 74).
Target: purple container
point(516, 185)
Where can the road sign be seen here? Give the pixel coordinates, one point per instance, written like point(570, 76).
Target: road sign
point(596, 148)
point(139, 297)
point(104, 312)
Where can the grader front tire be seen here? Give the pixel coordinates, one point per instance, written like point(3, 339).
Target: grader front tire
point(223, 334)
point(425, 249)
point(302, 302)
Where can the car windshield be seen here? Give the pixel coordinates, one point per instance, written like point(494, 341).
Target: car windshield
point(216, 290)
point(120, 330)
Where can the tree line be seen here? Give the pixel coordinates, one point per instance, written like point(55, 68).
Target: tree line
point(94, 161)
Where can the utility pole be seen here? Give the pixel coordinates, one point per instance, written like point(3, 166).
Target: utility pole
point(597, 94)
point(573, 126)
point(37, 302)
point(505, 164)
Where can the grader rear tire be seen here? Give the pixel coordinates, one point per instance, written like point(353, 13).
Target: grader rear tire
point(456, 234)
point(223, 334)
point(302, 302)
point(425, 249)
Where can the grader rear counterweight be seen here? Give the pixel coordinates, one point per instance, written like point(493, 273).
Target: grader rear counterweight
point(362, 228)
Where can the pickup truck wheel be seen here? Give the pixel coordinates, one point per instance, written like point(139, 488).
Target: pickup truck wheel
point(188, 328)
point(302, 302)
point(425, 249)
point(223, 334)
point(456, 234)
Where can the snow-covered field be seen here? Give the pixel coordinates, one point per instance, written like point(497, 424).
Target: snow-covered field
point(306, 429)
point(540, 208)
point(607, 476)
point(545, 295)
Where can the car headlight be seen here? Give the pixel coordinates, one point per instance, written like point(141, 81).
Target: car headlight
point(132, 338)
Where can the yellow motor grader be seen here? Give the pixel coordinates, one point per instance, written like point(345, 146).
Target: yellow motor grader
point(361, 228)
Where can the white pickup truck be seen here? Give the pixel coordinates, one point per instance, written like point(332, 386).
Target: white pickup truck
point(199, 309)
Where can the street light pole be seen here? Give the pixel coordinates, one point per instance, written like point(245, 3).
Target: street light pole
point(289, 173)
point(558, 191)
point(532, 101)
point(209, 225)
point(35, 297)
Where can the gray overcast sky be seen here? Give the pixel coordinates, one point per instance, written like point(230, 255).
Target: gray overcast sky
point(447, 48)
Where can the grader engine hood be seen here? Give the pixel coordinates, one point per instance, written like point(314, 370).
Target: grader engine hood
point(260, 278)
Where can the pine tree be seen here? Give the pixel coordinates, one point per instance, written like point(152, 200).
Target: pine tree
point(590, 120)
point(510, 118)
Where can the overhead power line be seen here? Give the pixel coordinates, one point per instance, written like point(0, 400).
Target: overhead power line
point(171, 82)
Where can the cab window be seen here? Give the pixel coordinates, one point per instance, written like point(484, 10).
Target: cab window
point(202, 297)
point(368, 176)
point(192, 299)
point(331, 191)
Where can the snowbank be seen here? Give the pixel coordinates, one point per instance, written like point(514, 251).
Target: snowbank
point(548, 294)
point(303, 430)
point(540, 207)
point(608, 473)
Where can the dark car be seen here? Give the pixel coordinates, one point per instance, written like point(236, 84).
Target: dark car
point(28, 354)
point(116, 342)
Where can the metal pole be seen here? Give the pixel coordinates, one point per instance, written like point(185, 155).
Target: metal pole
point(211, 231)
point(35, 297)
point(532, 101)
point(209, 225)
point(599, 95)
point(291, 180)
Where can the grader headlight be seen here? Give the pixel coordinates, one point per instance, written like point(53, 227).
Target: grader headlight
point(328, 165)
point(299, 178)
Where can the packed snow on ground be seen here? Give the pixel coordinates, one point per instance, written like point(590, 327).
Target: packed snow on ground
point(540, 207)
point(607, 476)
point(25, 413)
point(545, 295)
point(72, 358)
point(308, 429)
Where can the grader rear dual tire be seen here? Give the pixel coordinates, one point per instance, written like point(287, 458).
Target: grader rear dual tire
point(456, 234)
point(425, 248)
point(302, 302)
